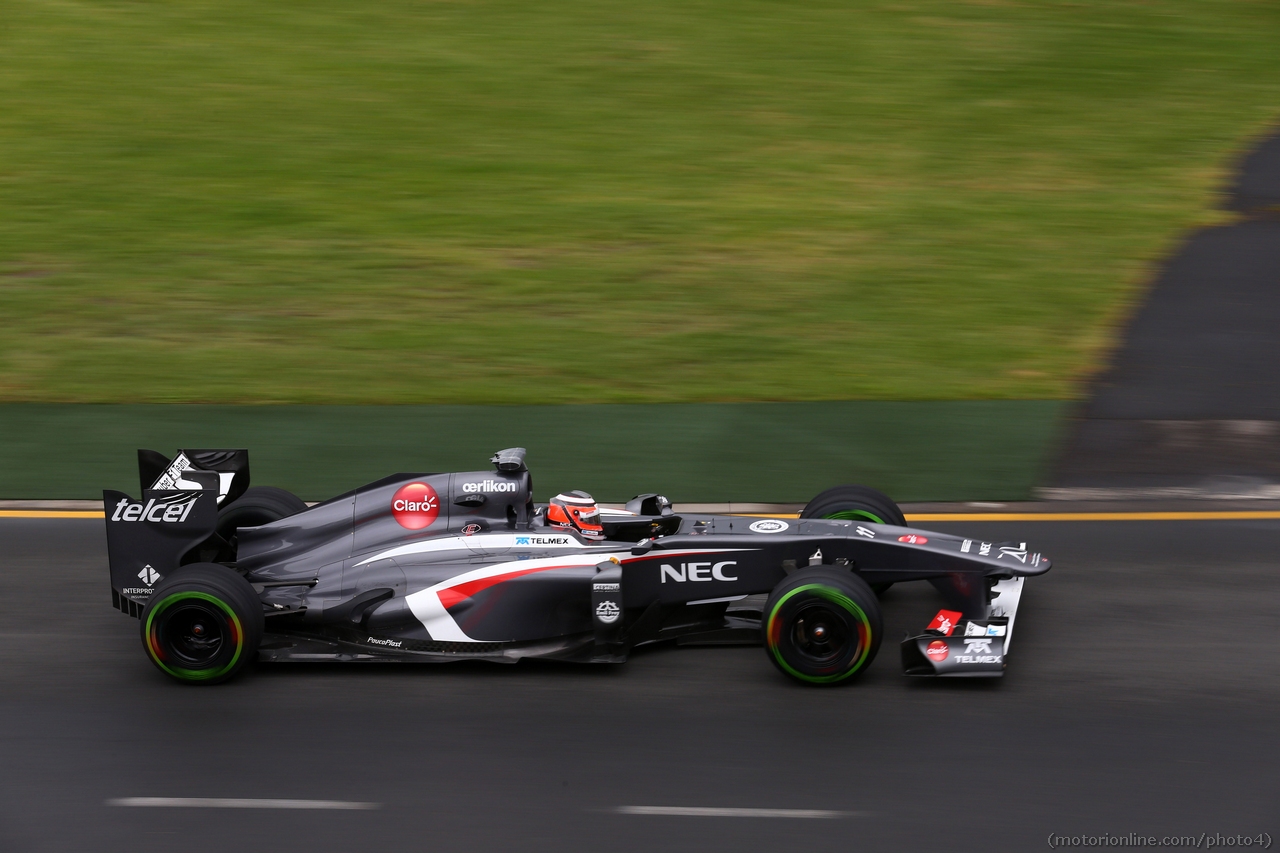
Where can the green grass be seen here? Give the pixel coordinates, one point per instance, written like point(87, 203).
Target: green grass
point(412, 201)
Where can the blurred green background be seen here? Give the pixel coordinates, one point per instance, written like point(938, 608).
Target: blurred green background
point(770, 452)
point(588, 201)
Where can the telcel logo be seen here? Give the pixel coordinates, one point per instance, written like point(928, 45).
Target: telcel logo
point(487, 486)
point(415, 506)
point(698, 572)
point(171, 510)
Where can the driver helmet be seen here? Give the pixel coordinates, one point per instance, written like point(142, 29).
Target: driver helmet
point(576, 511)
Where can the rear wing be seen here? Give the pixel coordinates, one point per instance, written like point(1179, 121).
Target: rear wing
point(190, 469)
point(175, 523)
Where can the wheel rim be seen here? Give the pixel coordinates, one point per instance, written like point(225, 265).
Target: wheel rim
point(194, 636)
point(855, 515)
point(845, 622)
point(820, 634)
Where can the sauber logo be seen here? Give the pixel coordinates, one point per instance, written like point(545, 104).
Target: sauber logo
point(169, 510)
point(698, 572)
point(487, 486)
point(415, 506)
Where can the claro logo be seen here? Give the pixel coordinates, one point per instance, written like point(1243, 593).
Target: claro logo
point(698, 572)
point(171, 510)
point(415, 506)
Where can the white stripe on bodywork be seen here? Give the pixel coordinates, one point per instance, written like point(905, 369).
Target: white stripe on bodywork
point(426, 606)
point(716, 600)
point(479, 543)
point(429, 610)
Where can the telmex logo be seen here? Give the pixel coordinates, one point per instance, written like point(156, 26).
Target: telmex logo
point(489, 486)
point(698, 572)
point(542, 540)
point(415, 506)
point(171, 510)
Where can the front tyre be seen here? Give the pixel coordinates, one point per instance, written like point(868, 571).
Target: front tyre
point(822, 625)
point(203, 624)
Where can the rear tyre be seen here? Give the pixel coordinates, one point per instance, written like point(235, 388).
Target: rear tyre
point(855, 503)
point(822, 625)
point(258, 505)
point(203, 624)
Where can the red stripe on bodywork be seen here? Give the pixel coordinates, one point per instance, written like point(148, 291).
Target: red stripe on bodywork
point(455, 595)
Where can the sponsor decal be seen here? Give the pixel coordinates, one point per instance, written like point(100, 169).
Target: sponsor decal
point(148, 575)
point(945, 621)
point(698, 572)
point(172, 509)
point(606, 587)
point(395, 644)
point(768, 525)
point(607, 611)
point(984, 549)
point(488, 486)
point(973, 629)
point(471, 529)
point(862, 531)
point(415, 506)
point(1019, 553)
point(937, 651)
point(913, 539)
point(978, 651)
point(544, 540)
point(137, 590)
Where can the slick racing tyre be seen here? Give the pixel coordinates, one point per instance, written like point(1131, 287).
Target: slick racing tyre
point(203, 624)
point(855, 503)
point(258, 505)
point(822, 625)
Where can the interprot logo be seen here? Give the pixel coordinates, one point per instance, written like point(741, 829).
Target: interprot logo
point(415, 506)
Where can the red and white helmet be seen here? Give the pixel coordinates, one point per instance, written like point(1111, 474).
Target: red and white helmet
point(576, 511)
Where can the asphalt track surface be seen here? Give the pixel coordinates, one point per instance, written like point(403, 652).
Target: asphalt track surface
point(1189, 397)
point(1140, 697)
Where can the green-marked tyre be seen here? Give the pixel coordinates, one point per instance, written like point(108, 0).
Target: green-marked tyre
point(822, 625)
point(856, 503)
point(203, 624)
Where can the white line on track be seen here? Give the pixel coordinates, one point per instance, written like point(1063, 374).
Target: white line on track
point(235, 803)
point(687, 811)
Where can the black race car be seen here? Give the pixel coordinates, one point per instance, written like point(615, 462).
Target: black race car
point(446, 567)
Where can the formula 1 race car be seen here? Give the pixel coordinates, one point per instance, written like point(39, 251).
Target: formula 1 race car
point(447, 567)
